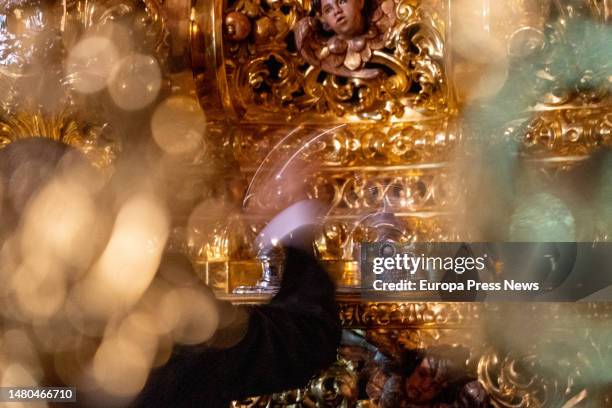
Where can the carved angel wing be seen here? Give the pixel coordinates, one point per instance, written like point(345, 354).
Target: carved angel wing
point(307, 40)
point(383, 18)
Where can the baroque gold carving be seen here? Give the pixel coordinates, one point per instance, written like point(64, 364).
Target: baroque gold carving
point(96, 140)
point(428, 141)
point(359, 314)
point(358, 193)
point(145, 20)
point(557, 364)
point(233, 237)
point(267, 75)
point(365, 314)
point(566, 132)
point(38, 99)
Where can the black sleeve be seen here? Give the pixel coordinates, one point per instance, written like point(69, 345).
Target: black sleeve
point(292, 337)
point(287, 341)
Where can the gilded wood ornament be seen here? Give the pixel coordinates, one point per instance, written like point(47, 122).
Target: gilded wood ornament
point(383, 59)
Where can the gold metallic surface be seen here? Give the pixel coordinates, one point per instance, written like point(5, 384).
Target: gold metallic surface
point(37, 94)
point(360, 140)
point(356, 143)
point(263, 80)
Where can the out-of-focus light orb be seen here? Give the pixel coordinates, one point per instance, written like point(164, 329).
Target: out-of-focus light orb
point(56, 334)
point(90, 63)
point(605, 195)
point(197, 312)
point(131, 258)
point(474, 34)
point(484, 82)
point(140, 328)
point(120, 366)
point(61, 222)
point(71, 365)
point(40, 295)
point(16, 345)
point(178, 125)
point(542, 217)
point(16, 375)
point(484, 69)
point(135, 82)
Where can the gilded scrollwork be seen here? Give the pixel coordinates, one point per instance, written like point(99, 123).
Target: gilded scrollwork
point(511, 382)
point(232, 238)
point(561, 58)
point(27, 37)
point(39, 97)
point(393, 69)
point(358, 193)
point(335, 387)
point(468, 360)
point(145, 20)
point(414, 314)
point(565, 132)
point(95, 139)
point(358, 314)
point(36, 34)
point(430, 141)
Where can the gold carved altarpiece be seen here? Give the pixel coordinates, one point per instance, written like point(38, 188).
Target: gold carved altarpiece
point(366, 141)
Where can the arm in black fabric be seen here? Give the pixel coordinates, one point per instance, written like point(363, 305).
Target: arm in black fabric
point(296, 334)
point(287, 341)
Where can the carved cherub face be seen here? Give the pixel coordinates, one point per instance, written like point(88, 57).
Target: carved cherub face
point(343, 17)
point(425, 382)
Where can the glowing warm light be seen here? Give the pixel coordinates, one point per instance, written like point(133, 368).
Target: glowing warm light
point(17, 346)
point(476, 41)
point(120, 366)
point(39, 288)
point(135, 82)
point(90, 63)
point(131, 258)
point(178, 125)
point(140, 328)
point(9, 264)
point(61, 222)
point(487, 81)
point(198, 316)
point(16, 375)
point(56, 334)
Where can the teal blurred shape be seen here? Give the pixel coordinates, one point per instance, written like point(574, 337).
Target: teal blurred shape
point(605, 193)
point(542, 217)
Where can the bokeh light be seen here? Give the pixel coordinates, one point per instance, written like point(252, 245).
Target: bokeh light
point(129, 262)
point(61, 222)
point(90, 63)
point(605, 194)
point(116, 355)
point(195, 312)
point(135, 82)
point(178, 125)
point(40, 288)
